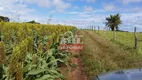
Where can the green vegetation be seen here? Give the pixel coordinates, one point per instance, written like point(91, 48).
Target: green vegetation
point(5, 19)
point(33, 22)
point(124, 40)
point(30, 51)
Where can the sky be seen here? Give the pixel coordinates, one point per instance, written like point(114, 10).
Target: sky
point(80, 13)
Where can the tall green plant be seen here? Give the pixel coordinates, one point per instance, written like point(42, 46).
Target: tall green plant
point(17, 58)
point(2, 58)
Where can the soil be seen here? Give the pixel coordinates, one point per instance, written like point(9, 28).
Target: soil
point(75, 71)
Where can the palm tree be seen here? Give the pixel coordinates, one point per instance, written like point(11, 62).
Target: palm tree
point(113, 21)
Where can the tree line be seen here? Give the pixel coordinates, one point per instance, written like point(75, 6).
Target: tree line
point(6, 19)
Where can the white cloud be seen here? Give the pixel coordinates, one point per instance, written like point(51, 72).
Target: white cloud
point(76, 7)
point(131, 20)
point(130, 1)
point(88, 8)
point(90, 1)
point(130, 10)
point(44, 3)
point(1, 8)
point(84, 13)
point(134, 18)
point(74, 12)
point(60, 5)
point(108, 7)
point(84, 19)
point(14, 9)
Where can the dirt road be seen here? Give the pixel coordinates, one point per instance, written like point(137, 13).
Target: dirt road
point(100, 56)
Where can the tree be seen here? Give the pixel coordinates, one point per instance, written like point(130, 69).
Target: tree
point(33, 22)
point(113, 21)
point(5, 19)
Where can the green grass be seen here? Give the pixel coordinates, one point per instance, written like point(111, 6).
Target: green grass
point(124, 40)
point(101, 54)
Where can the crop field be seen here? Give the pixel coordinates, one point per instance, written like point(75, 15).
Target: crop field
point(29, 51)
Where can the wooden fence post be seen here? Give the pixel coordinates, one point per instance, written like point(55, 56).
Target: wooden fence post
point(94, 28)
point(114, 34)
point(136, 38)
point(105, 30)
point(98, 29)
point(0, 35)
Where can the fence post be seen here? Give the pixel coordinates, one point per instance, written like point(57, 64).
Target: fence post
point(94, 28)
point(136, 38)
point(98, 29)
point(114, 34)
point(0, 35)
point(105, 30)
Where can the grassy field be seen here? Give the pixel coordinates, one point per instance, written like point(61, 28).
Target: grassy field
point(125, 40)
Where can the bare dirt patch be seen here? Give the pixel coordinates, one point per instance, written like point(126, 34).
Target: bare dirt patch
point(74, 72)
